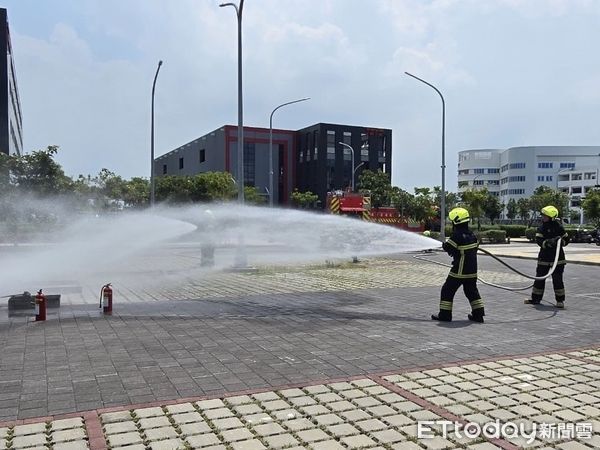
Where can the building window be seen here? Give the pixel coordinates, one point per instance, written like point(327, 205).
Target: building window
point(330, 138)
point(301, 156)
point(249, 164)
point(576, 177)
point(576, 190)
point(548, 177)
point(347, 138)
point(494, 182)
point(589, 176)
point(567, 165)
point(164, 169)
point(545, 165)
point(202, 155)
point(316, 142)
point(347, 154)
point(517, 179)
point(364, 147)
point(308, 146)
point(493, 170)
point(478, 183)
point(479, 171)
point(330, 145)
point(180, 163)
point(504, 180)
point(463, 172)
point(541, 178)
point(504, 168)
point(520, 165)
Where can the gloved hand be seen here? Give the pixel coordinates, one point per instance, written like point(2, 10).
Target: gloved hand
point(551, 243)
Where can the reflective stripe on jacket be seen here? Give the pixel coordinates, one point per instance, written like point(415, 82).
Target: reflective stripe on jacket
point(462, 246)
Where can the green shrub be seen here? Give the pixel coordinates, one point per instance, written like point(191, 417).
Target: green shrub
point(494, 236)
point(530, 233)
point(514, 231)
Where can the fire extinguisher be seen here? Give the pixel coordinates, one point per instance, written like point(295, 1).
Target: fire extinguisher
point(106, 297)
point(40, 306)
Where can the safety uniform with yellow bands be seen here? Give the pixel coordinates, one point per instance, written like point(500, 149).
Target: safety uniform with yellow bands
point(546, 237)
point(462, 246)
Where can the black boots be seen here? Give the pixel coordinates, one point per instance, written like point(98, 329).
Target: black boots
point(441, 317)
point(475, 318)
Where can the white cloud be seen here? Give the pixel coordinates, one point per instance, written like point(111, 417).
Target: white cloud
point(505, 67)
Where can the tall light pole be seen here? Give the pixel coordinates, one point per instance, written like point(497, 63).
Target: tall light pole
point(443, 199)
point(240, 133)
point(152, 138)
point(271, 146)
point(352, 150)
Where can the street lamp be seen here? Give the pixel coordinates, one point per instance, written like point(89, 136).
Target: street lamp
point(238, 12)
point(353, 170)
point(443, 199)
point(152, 138)
point(271, 146)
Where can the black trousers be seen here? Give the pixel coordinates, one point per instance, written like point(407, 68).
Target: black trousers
point(471, 292)
point(557, 282)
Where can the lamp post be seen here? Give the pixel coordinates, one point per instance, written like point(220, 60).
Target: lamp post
point(351, 150)
point(240, 136)
point(443, 199)
point(152, 138)
point(271, 145)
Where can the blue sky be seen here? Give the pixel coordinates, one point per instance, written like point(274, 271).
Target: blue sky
point(513, 73)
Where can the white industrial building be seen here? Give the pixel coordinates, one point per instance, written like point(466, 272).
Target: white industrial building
point(516, 172)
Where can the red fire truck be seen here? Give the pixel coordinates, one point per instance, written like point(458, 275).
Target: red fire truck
point(359, 205)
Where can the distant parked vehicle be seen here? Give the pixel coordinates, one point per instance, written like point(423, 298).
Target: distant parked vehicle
point(583, 236)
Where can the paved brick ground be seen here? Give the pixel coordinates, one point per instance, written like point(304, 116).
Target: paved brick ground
point(160, 350)
point(553, 397)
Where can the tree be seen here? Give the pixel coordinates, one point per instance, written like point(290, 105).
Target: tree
point(512, 209)
point(524, 208)
point(379, 186)
point(544, 196)
point(403, 201)
point(204, 187)
point(424, 207)
point(35, 173)
point(303, 199)
point(492, 208)
point(137, 192)
point(591, 206)
point(475, 200)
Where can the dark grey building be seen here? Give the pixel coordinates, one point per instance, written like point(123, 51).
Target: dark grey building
point(217, 151)
point(11, 122)
point(309, 159)
point(324, 165)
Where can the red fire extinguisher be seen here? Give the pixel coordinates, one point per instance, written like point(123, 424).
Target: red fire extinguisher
point(40, 306)
point(106, 297)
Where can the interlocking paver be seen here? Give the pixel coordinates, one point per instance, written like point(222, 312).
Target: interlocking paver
point(203, 440)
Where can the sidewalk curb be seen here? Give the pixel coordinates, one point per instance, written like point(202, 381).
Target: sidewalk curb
point(582, 263)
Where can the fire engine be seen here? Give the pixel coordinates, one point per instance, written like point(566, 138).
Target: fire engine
point(359, 205)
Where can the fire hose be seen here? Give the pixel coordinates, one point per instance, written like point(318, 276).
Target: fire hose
point(507, 288)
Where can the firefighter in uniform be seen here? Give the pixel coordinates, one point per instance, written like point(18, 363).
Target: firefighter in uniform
point(547, 237)
point(462, 246)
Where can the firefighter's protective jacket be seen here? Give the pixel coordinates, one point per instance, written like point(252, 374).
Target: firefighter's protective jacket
point(462, 246)
point(546, 236)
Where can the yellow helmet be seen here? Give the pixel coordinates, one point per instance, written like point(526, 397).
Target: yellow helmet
point(458, 215)
point(550, 211)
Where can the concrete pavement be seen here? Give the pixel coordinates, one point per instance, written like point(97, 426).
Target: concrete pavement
point(337, 334)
